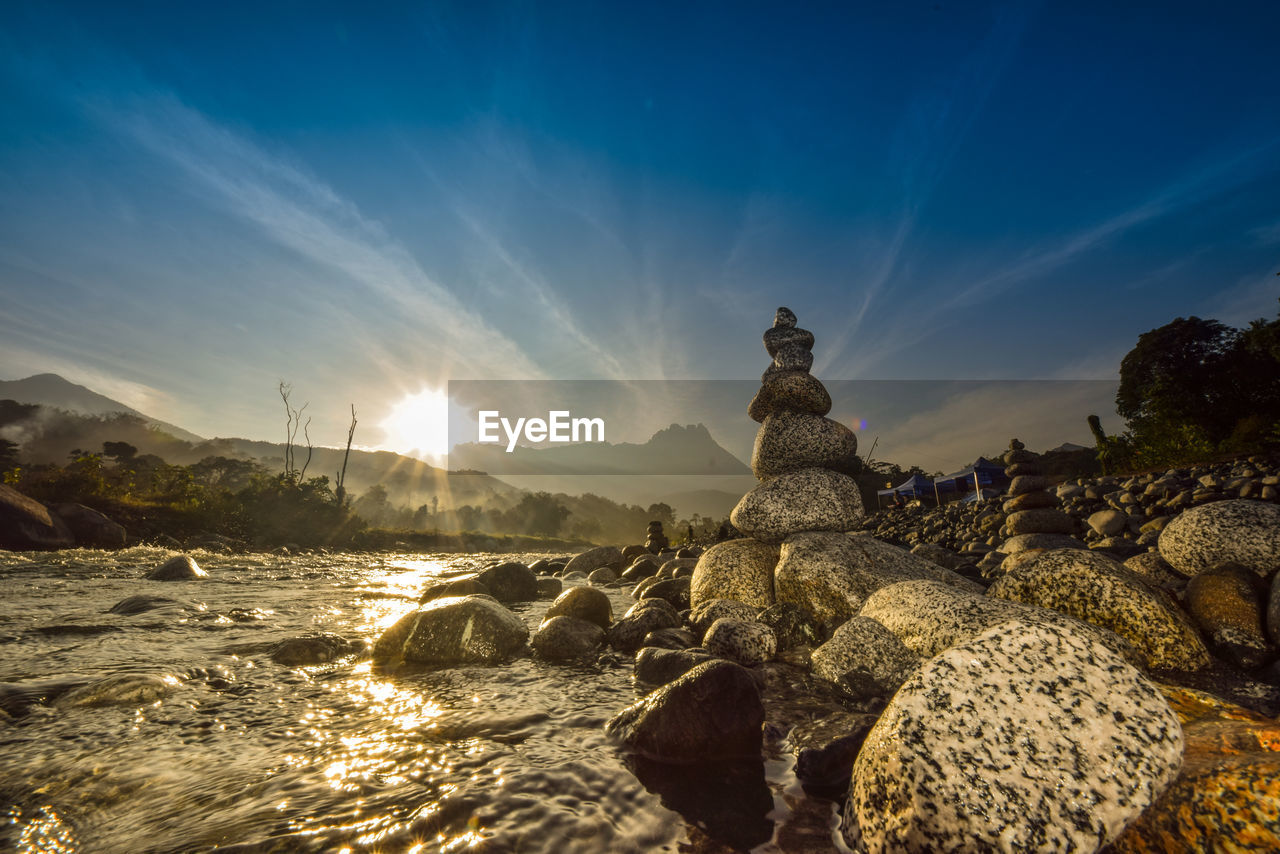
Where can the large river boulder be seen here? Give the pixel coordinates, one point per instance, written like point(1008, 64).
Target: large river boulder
point(455, 630)
point(26, 524)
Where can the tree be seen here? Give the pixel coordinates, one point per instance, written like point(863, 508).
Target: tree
point(121, 452)
point(8, 454)
point(1180, 375)
point(341, 490)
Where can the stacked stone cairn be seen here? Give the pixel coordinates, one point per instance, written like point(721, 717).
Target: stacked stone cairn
point(1033, 519)
point(656, 541)
point(802, 458)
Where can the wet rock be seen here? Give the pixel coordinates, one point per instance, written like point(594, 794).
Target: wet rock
point(634, 551)
point(123, 689)
point(1029, 737)
point(459, 630)
point(466, 585)
point(674, 590)
point(140, 604)
point(645, 567)
point(830, 575)
point(1240, 532)
point(792, 625)
point(585, 603)
point(738, 569)
point(825, 750)
point(790, 440)
point(747, 643)
point(315, 649)
point(90, 528)
point(566, 638)
point(602, 576)
point(711, 712)
point(26, 524)
point(657, 666)
point(863, 645)
point(645, 616)
point(549, 588)
point(706, 613)
point(670, 639)
point(678, 568)
point(178, 568)
point(1226, 603)
point(594, 559)
point(929, 617)
point(510, 582)
point(1227, 794)
point(812, 499)
point(1098, 590)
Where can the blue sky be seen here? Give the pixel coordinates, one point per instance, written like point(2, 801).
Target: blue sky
point(198, 202)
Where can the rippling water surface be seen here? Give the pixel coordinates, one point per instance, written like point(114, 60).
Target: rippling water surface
point(228, 749)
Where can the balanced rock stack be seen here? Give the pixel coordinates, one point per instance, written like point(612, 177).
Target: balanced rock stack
point(1033, 520)
point(800, 456)
point(656, 541)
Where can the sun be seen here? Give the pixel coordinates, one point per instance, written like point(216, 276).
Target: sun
point(419, 424)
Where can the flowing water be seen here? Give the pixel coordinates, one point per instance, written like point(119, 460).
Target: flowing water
point(230, 750)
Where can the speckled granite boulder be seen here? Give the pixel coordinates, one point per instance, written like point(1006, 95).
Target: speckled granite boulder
point(456, 630)
point(1030, 737)
point(1155, 571)
point(1096, 589)
point(1227, 794)
point(812, 499)
point(747, 643)
point(929, 617)
point(862, 644)
point(738, 569)
point(793, 625)
point(830, 575)
point(705, 613)
point(1241, 532)
point(593, 559)
point(790, 440)
point(178, 568)
point(711, 712)
point(566, 638)
point(674, 590)
point(1227, 604)
point(795, 390)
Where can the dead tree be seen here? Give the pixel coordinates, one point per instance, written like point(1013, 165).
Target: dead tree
point(341, 491)
point(293, 420)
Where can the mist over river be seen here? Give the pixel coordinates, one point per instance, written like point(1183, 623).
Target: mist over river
point(229, 749)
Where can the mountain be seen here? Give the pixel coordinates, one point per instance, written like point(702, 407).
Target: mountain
point(676, 450)
point(53, 391)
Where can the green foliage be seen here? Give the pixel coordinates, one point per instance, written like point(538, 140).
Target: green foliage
point(1195, 388)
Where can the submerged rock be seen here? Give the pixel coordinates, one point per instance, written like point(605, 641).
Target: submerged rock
point(140, 604)
point(565, 638)
point(711, 712)
point(123, 689)
point(315, 649)
point(467, 630)
point(658, 666)
point(178, 568)
point(1030, 737)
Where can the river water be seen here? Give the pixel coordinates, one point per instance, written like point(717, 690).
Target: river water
point(242, 753)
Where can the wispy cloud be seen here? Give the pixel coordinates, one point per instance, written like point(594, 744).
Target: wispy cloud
point(304, 214)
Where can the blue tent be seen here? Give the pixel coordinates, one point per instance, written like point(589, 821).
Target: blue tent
point(983, 473)
point(916, 486)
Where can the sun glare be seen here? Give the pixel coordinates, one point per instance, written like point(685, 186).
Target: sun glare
point(419, 424)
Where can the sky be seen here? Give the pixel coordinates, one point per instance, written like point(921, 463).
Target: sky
point(198, 201)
